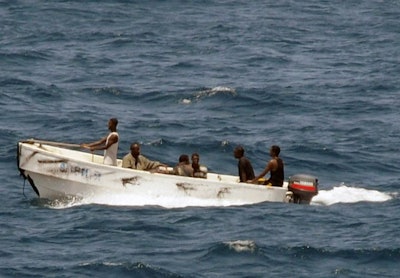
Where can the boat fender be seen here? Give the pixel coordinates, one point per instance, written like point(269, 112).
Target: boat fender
point(165, 170)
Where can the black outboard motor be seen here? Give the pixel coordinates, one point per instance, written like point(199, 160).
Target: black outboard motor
point(304, 188)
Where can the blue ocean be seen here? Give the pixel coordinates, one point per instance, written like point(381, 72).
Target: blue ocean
point(318, 78)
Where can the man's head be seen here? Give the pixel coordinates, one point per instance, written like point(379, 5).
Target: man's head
point(184, 158)
point(112, 124)
point(195, 158)
point(274, 150)
point(135, 149)
point(238, 152)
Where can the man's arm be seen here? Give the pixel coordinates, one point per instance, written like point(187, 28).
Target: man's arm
point(92, 146)
point(271, 165)
point(149, 164)
point(100, 145)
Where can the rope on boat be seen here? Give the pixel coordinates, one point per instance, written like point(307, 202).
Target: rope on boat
point(23, 189)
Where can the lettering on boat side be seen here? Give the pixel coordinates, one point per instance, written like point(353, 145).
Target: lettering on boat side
point(67, 168)
point(133, 180)
point(185, 186)
point(222, 191)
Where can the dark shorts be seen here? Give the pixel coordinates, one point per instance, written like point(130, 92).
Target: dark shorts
point(268, 183)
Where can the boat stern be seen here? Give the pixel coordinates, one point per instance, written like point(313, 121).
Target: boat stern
point(303, 188)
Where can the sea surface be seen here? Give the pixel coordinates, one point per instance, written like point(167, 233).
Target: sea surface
point(318, 78)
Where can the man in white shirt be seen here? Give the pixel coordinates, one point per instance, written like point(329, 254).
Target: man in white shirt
point(108, 143)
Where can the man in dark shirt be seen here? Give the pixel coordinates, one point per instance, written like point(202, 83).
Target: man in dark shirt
point(246, 171)
point(275, 167)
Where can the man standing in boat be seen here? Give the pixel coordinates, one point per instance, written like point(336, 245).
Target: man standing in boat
point(108, 143)
point(275, 167)
point(245, 168)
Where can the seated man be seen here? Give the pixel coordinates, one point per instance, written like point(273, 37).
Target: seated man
point(245, 168)
point(183, 168)
point(276, 168)
point(135, 160)
point(199, 171)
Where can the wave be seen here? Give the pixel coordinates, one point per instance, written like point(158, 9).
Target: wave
point(347, 194)
point(231, 248)
point(110, 268)
point(25, 56)
point(390, 254)
point(210, 92)
point(242, 245)
point(15, 82)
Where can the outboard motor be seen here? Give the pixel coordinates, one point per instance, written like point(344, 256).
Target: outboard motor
point(304, 188)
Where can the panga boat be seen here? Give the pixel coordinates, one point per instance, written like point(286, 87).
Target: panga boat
point(55, 171)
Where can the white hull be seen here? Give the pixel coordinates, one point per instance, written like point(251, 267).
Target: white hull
point(56, 173)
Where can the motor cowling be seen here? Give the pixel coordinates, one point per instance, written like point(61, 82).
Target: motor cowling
point(304, 188)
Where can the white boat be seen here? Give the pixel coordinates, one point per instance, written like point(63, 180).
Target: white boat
point(56, 172)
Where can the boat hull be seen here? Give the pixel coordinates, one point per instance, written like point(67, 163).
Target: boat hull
point(56, 173)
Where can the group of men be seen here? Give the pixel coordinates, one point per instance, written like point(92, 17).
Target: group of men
point(274, 166)
point(135, 160)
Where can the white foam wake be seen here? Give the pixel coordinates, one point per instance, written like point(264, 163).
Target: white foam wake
point(346, 194)
point(131, 200)
point(338, 194)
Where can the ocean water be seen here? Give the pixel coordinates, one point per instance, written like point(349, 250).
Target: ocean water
point(318, 78)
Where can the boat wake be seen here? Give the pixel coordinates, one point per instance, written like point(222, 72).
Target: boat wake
point(130, 200)
point(338, 194)
point(160, 201)
point(62, 203)
point(347, 194)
